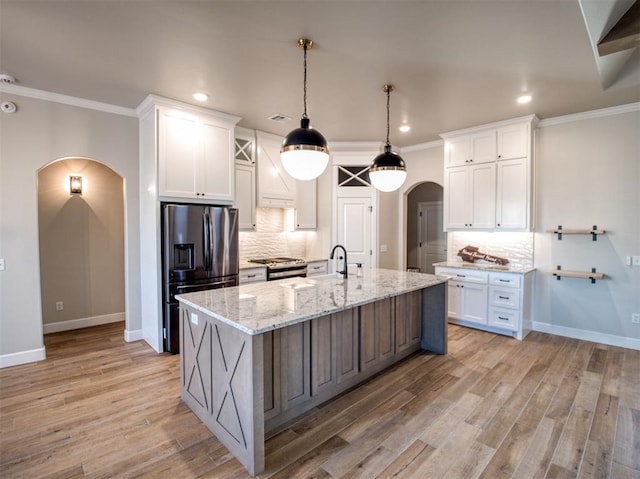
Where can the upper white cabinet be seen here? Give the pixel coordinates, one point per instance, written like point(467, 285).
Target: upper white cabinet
point(306, 213)
point(195, 154)
point(245, 152)
point(471, 149)
point(276, 189)
point(488, 171)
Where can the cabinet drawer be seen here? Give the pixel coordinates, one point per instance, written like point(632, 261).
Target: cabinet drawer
point(466, 275)
point(505, 280)
point(503, 318)
point(316, 268)
point(504, 298)
point(252, 275)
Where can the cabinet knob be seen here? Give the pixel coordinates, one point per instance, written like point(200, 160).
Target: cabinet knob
point(498, 225)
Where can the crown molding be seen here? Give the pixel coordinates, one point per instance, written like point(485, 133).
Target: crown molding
point(67, 100)
point(422, 146)
point(152, 101)
point(587, 115)
point(533, 119)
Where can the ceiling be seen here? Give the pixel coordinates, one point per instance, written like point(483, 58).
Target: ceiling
point(455, 64)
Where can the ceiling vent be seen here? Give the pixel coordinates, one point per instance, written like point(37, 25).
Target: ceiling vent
point(280, 118)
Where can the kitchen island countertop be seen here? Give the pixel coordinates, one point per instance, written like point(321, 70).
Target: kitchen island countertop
point(259, 307)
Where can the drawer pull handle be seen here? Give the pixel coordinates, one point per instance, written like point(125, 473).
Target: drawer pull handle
point(504, 297)
point(504, 319)
point(505, 280)
point(461, 275)
point(251, 276)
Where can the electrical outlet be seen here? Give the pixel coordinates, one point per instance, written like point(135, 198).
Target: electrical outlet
point(59, 305)
point(636, 260)
point(635, 318)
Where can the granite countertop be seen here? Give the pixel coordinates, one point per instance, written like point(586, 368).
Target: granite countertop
point(259, 307)
point(486, 267)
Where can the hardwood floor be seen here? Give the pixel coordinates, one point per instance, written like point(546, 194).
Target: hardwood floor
point(493, 407)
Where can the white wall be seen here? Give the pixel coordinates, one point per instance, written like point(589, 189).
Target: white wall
point(38, 133)
point(588, 173)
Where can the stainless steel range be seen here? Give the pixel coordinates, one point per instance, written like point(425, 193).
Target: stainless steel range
point(281, 267)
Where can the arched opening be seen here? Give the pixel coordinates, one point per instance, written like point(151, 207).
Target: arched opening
point(426, 240)
point(81, 242)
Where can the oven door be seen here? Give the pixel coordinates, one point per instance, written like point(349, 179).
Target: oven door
point(291, 272)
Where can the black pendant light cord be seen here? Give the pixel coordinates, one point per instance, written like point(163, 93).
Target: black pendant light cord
point(388, 95)
point(305, 81)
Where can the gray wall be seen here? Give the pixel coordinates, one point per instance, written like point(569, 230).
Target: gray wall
point(81, 241)
point(588, 173)
point(38, 133)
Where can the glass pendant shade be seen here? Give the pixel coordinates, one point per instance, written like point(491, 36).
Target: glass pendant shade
point(304, 153)
point(387, 171)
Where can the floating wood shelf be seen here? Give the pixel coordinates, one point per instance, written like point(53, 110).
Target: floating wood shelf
point(594, 232)
point(559, 273)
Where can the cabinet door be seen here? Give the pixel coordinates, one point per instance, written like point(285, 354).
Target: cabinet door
point(323, 354)
point(513, 142)
point(512, 200)
point(271, 362)
point(217, 169)
point(482, 185)
point(317, 268)
point(454, 300)
point(474, 303)
point(346, 341)
point(306, 205)
point(386, 328)
point(275, 187)
point(456, 190)
point(178, 154)
point(294, 362)
point(457, 151)
point(246, 196)
point(377, 333)
point(408, 314)
point(483, 147)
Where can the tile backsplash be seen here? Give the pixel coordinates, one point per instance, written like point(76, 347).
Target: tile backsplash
point(272, 237)
point(516, 247)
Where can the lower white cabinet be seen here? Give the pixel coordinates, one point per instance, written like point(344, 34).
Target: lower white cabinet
point(317, 268)
point(252, 275)
point(498, 302)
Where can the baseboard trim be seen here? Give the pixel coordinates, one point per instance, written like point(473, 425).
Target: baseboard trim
point(133, 335)
point(82, 322)
point(585, 335)
point(23, 357)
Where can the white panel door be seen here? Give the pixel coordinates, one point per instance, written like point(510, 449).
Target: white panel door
point(354, 229)
point(217, 174)
point(512, 193)
point(432, 241)
point(456, 188)
point(513, 141)
point(178, 154)
point(483, 200)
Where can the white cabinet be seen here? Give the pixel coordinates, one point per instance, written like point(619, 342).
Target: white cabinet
point(488, 176)
point(471, 149)
point(276, 189)
point(245, 151)
point(317, 268)
point(470, 197)
point(513, 188)
point(253, 275)
point(497, 302)
point(195, 159)
point(306, 213)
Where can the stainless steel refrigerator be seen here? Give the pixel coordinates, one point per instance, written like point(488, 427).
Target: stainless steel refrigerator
point(199, 252)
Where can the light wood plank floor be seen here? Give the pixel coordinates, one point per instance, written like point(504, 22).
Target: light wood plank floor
point(493, 407)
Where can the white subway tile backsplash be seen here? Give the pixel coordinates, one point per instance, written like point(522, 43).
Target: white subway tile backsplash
point(270, 239)
point(516, 247)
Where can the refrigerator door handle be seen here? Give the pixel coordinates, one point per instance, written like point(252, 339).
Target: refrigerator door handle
point(207, 240)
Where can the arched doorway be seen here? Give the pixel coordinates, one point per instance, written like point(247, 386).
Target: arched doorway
point(426, 240)
point(81, 243)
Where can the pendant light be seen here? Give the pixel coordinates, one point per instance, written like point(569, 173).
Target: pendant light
point(304, 151)
point(388, 170)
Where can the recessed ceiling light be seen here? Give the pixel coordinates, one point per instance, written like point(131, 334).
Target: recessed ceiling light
point(199, 96)
point(524, 99)
point(404, 128)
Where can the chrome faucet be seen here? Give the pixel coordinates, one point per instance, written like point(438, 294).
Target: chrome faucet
point(344, 271)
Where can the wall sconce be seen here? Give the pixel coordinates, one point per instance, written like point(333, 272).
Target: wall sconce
point(75, 185)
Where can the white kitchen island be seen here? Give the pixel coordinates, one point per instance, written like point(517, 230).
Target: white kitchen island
point(255, 356)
